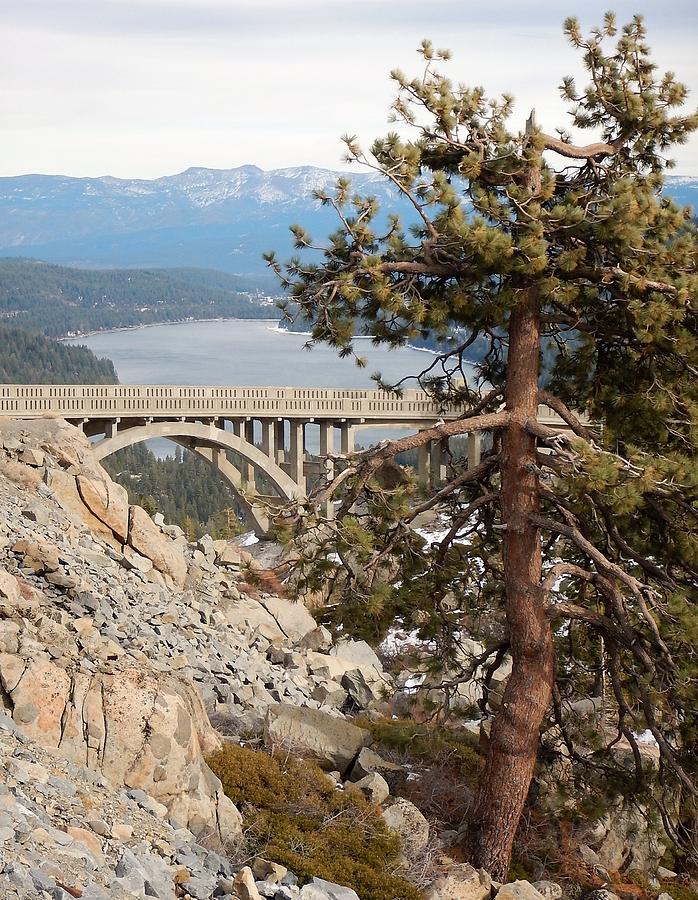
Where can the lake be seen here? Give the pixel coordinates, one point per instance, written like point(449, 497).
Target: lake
point(246, 353)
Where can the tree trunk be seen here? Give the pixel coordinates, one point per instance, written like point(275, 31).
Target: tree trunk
point(515, 732)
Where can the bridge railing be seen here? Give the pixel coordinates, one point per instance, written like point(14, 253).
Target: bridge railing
point(105, 401)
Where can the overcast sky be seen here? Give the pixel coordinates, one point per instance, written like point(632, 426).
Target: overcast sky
point(143, 88)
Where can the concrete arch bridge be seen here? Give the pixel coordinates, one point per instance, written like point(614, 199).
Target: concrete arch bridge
point(252, 435)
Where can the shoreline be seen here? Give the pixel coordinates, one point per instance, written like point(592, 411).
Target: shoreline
point(85, 334)
point(274, 330)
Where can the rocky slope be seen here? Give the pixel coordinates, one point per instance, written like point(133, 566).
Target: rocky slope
point(109, 623)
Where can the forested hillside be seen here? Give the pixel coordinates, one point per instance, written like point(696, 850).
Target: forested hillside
point(186, 489)
point(56, 300)
point(32, 359)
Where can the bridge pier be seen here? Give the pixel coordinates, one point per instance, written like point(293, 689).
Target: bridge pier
point(112, 427)
point(269, 439)
point(327, 449)
point(295, 466)
point(249, 481)
point(280, 441)
point(439, 451)
point(347, 438)
point(424, 464)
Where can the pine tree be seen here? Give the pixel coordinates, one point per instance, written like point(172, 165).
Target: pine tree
point(581, 552)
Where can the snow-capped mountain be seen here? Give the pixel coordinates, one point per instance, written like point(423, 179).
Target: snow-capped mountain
point(684, 189)
point(214, 218)
point(219, 218)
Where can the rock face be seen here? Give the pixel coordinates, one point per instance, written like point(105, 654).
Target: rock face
point(64, 489)
point(404, 818)
point(136, 727)
point(148, 540)
point(106, 500)
point(66, 831)
point(463, 882)
point(624, 840)
point(333, 742)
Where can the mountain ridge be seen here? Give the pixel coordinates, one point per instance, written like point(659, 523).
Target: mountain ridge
point(206, 218)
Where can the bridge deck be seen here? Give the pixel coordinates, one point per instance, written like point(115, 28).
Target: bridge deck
point(362, 407)
point(107, 401)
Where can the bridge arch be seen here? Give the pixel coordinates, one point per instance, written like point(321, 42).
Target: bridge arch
point(204, 440)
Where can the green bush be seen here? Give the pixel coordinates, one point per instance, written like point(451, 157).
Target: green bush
point(679, 891)
point(424, 743)
point(294, 815)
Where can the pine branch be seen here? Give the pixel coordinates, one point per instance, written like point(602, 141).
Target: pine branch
point(595, 151)
point(367, 463)
point(566, 414)
point(608, 274)
point(477, 473)
point(638, 589)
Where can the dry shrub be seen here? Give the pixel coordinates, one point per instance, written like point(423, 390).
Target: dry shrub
point(262, 581)
point(442, 794)
point(545, 846)
point(680, 889)
point(293, 814)
point(441, 766)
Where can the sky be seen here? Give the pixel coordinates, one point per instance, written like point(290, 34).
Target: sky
point(145, 88)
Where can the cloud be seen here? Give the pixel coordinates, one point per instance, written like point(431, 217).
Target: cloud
point(149, 87)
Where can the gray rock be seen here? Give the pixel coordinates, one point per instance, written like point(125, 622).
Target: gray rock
point(357, 652)
point(271, 891)
point(360, 691)
point(602, 894)
point(404, 818)
point(549, 889)
point(519, 890)
point(374, 787)
point(329, 693)
point(319, 639)
point(31, 457)
point(264, 870)
point(665, 874)
point(319, 889)
point(202, 886)
point(41, 881)
point(369, 761)
point(460, 882)
point(333, 742)
point(293, 619)
point(36, 513)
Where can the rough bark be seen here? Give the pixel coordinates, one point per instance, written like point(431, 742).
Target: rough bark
point(514, 740)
